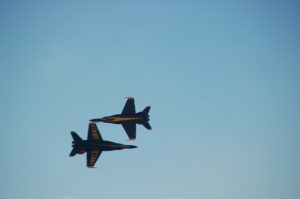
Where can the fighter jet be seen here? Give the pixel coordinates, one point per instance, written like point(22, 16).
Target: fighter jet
point(94, 145)
point(129, 118)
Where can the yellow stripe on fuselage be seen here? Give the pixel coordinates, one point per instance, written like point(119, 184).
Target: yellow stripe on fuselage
point(120, 119)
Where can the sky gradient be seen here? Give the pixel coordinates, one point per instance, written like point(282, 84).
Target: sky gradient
point(222, 79)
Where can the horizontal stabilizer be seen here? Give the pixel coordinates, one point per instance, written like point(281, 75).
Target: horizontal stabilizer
point(73, 152)
point(146, 110)
point(147, 125)
point(75, 136)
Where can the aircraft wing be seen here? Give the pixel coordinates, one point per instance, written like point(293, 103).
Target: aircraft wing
point(92, 157)
point(93, 133)
point(130, 128)
point(129, 108)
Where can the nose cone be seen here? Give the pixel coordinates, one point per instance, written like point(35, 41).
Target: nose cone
point(132, 147)
point(96, 120)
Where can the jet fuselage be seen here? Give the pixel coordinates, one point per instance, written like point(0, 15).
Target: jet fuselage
point(85, 145)
point(138, 118)
point(128, 118)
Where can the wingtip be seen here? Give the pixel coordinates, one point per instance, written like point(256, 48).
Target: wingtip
point(129, 97)
point(91, 167)
point(131, 139)
point(92, 122)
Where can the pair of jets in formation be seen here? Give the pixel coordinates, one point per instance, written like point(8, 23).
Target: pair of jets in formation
point(94, 145)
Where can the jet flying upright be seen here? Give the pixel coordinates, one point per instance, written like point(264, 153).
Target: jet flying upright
point(129, 118)
point(94, 145)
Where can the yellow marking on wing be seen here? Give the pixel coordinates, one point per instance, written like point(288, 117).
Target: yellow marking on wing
point(94, 131)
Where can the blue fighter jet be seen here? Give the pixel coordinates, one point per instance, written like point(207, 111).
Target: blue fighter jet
point(94, 145)
point(129, 118)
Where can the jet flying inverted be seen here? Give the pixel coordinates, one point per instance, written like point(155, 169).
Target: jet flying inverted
point(129, 118)
point(94, 145)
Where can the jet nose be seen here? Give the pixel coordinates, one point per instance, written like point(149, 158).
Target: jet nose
point(132, 147)
point(96, 120)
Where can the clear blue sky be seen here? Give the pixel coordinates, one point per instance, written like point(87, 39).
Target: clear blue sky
point(222, 78)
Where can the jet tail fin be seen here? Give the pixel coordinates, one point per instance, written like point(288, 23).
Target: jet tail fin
point(75, 136)
point(146, 110)
point(147, 125)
